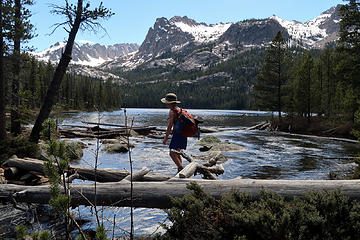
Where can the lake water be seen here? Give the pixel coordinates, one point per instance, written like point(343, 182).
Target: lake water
point(266, 155)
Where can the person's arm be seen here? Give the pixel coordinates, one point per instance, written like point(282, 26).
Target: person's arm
point(170, 125)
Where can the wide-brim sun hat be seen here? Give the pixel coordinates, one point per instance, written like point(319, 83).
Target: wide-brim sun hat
point(170, 98)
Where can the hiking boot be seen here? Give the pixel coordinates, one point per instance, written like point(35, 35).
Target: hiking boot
point(180, 168)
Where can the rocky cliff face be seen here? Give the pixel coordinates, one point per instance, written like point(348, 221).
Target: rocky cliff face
point(87, 54)
point(163, 37)
point(253, 32)
point(187, 45)
point(190, 45)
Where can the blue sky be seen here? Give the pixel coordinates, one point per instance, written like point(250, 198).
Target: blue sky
point(133, 18)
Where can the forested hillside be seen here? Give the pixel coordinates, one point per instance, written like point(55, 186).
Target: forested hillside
point(223, 86)
point(76, 93)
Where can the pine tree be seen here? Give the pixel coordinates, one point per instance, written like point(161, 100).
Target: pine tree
point(2, 80)
point(78, 17)
point(350, 45)
point(269, 92)
point(22, 31)
point(303, 93)
point(328, 66)
point(34, 81)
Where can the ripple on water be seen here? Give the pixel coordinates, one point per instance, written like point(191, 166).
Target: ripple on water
point(267, 155)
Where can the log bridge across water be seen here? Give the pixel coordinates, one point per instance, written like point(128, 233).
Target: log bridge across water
point(155, 191)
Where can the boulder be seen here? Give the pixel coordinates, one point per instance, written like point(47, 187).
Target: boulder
point(211, 143)
point(74, 150)
point(227, 147)
point(117, 148)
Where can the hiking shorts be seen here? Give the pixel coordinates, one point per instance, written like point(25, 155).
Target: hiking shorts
point(178, 141)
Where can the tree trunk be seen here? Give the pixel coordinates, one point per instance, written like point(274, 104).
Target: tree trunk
point(53, 89)
point(158, 194)
point(15, 86)
point(2, 80)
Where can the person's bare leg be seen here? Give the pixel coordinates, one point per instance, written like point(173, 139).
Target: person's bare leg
point(175, 158)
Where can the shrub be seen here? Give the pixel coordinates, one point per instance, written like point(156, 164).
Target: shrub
point(19, 146)
point(356, 174)
point(48, 132)
point(318, 215)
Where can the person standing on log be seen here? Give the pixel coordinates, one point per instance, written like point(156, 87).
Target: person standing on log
point(178, 141)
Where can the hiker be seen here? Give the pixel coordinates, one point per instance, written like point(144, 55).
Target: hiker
point(178, 141)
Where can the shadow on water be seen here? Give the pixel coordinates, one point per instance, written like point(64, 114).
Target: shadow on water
point(266, 172)
point(307, 163)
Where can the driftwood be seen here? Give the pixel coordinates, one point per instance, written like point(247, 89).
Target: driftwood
point(218, 170)
point(265, 125)
point(208, 130)
point(321, 137)
point(158, 194)
point(213, 160)
point(75, 131)
point(185, 172)
point(72, 177)
point(260, 126)
point(103, 124)
point(194, 167)
point(188, 171)
point(137, 175)
point(102, 175)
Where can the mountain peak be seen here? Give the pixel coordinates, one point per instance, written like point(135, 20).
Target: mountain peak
point(86, 52)
point(185, 20)
point(201, 32)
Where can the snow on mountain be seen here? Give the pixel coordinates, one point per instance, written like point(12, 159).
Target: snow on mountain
point(86, 53)
point(47, 54)
point(311, 31)
point(183, 42)
point(202, 32)
point(308, 32)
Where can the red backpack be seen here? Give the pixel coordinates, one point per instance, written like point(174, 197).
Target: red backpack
point(190, 125)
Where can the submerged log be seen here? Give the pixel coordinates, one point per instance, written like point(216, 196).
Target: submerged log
point(158, 194)
point(102, 175)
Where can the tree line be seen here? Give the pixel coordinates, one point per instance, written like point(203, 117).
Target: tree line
point(227, 85)
point(310, 83)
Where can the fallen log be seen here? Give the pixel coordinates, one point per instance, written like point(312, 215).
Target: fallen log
point(321, 137)
point(257, 126)
point(188, 171)
point(218, 170)
point(103, 124)
point(209, 130)
point(123, 127)
point(102, 175)
point(90, 134)
point(158, 194)
point(207, 174)
point(137, 175)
